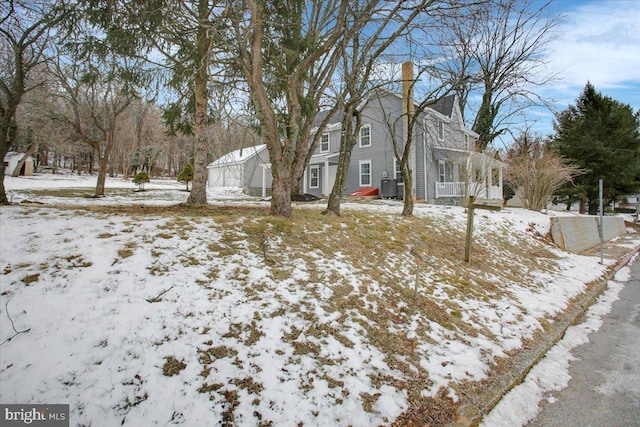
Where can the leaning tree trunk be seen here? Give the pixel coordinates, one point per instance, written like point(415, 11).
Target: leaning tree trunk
point(30, 151)
point(348, 141)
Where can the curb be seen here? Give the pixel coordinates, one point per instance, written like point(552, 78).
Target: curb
point(472, 412)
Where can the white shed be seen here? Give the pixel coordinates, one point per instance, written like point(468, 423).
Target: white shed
point(245, 168)
point(11, 160)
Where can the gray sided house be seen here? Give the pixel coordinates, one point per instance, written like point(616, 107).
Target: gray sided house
point(444, 162)
point(246, 168)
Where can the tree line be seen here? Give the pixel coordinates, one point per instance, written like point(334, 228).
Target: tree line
point(597, 138)
point(153, 85)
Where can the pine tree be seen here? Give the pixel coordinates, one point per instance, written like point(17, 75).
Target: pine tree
point(602, 136)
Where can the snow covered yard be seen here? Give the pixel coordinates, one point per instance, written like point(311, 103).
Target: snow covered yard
point(137, 312)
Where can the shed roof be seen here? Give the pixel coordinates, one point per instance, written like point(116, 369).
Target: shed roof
point(238, 156)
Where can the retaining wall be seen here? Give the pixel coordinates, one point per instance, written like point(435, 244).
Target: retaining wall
point(577, 234)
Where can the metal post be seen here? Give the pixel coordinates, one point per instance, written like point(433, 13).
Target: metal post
point(415, 288)
point(601, 230)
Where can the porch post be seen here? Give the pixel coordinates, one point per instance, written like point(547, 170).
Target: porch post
point(489, 178)
point(325, 178)
point(304, 181)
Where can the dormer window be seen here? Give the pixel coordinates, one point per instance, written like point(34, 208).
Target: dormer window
point(440, 125)
point(325, 145)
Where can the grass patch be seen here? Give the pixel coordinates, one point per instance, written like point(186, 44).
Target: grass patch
point(30, 278)
point(172, 366)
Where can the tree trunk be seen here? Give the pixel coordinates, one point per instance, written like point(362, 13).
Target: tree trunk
point(30, 151)
point(102, 175)
point(347, 142)
point(281, 190)
point(407, 179)
point(3, 194)
point(5, 145)
point(198, 195)
point(593, 206)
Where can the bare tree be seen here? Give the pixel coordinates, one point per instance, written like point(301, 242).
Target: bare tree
point(403, 128)
point(499, 54)
point(287, 57)
point(181, 39)
point(94, 94)
point(535, 171)
point(24, 31)
point(374, 27)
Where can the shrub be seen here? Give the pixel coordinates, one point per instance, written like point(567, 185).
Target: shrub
point(141, 179)
point(186, 175)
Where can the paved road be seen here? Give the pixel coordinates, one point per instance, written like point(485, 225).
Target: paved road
point(605, 387)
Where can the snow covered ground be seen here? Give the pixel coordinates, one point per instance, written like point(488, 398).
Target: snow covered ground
point(149, 320)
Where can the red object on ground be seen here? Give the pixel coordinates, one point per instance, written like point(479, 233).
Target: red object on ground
point(365, 192)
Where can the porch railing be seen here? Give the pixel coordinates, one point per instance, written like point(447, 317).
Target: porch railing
point(450, 189)
point(459, 189)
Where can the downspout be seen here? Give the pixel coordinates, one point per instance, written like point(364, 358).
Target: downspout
point(424, 161)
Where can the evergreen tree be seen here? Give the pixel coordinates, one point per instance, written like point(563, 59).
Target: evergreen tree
point(186, 175)
point(601, 136)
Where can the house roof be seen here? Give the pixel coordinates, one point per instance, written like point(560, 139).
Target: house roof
point(336, 118)
point(444, 106)
point(238, 156)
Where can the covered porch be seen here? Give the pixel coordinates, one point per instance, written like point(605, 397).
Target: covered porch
point(464, 173)
point(320, 174)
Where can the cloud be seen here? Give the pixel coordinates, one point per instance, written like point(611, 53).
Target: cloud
point(599, 42)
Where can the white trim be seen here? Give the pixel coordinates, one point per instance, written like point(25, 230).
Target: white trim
point(317, 177)
point(365, 126)
point(396, 168)
point(360, 163)
point(328, 143)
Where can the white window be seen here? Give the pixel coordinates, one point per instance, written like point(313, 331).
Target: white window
point(396, 170)
point(365, 136)
point(466, 141)
point(440, 130)
point(325, 146)
point(314, 176)
point(445, 171)
point(365, 173)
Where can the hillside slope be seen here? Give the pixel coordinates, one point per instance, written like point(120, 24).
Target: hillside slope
point(163, 315)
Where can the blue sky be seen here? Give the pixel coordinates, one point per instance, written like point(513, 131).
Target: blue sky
point(598, 41)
